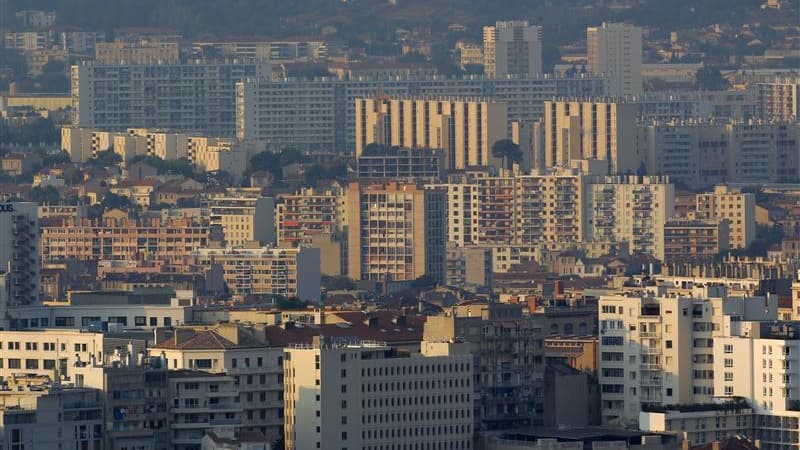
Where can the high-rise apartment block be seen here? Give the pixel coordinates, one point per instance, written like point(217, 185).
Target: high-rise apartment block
point(576, 129)
point(512, 48)
point(120, 52)
point(196, 97)
point(465, 129)
point(615, 50)
point(244, 216)
point(734, 205)
point(395, 232)
point(284, 272)
point(19, 255)
point(700, 154)
point(319, 115)
point(778, 99)
point(634, 210)
point(657, 345)
point(367, 395)
point(507, 355)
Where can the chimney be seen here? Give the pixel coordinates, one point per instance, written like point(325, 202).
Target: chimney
point(715, 445)
point(685, 444)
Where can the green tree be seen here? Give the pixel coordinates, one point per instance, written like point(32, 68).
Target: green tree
point(105, 159)
point(114, 201)
point(710, 79)
point(338, 283)
point(45, 196)
point(508, 151)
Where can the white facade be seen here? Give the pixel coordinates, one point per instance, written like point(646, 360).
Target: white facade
point(364, 396)
point(657, 348)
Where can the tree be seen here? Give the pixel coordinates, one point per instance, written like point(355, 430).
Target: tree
point(45, 196)
point(114, 201)
point(508, 151)
point(105, 159)
point(338, 283)
point(710, 79)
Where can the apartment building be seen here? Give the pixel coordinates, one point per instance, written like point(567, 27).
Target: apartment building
point(235, 351)
point(758, 363)
point(469, 267)
point(201, 401)
point(695, 240)
point(401, 163)
point(737, 207)
point(395, 232)
point(19, 255)
point(300, 50)
point(507, 361)
point(465, 129)
point(632, 209)
point(320, 115)
point(117, 237)
point(244, 215)
point(51, 418)
point(192, 96)
point(314, 217)
point(615, 50)
point(657, 345)
point(553, 208)
point(512, 48)
point(702, 423)
point(342, 394)
point(162, 144)
point(53, 353)
point(214, 154)
point(285, 272)
point(778, 99)
point(140, 308)
point(134, 400)
point(121, 52)
point(577, 129)
point(699, 154)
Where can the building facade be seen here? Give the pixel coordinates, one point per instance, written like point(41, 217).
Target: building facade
point(365, 395)
point(615, 49)
point(512, 48)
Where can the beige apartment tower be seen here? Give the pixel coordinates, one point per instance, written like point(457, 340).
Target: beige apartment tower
point(581, 129)
point(512, 48)
point(395, 232)
point(464, 128)
point(615, 50)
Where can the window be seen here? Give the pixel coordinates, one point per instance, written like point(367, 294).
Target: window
point(140, 321)
point(49, 364)
point(728, 376)
point(728, 348)
point(202, 363)
point(668, 343)
point(728, 362)
point(65, 321)
point(32, 364)
point(728, 390)
point(153, 321)
point(14, 363)
point(669, 392)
